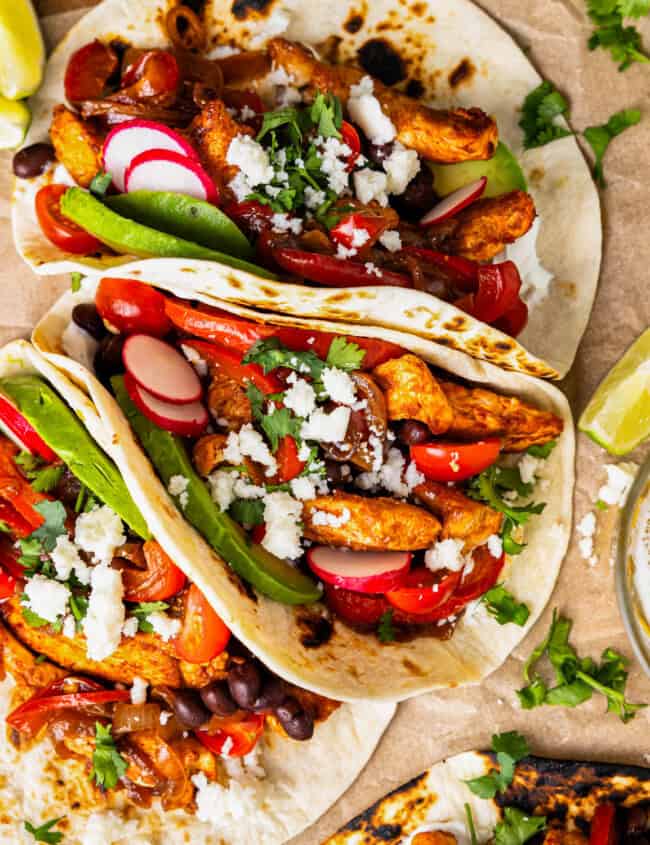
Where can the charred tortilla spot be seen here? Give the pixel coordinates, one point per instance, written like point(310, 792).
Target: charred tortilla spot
point(197, 6)
point(380, 59)
point(463, 72)
point(353, 24)
point(315, 630)
point(241, 8)
point(415, 89)
point(419, 9)
point(270, 292)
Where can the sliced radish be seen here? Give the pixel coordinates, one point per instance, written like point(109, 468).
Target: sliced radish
point(455, 202)
point(167, 170)
point(129, 139)
point(22, 433)
point(363, 572)
point(161, 370)
point(187, 420)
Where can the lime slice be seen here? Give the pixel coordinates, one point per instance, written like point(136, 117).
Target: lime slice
point(618, 416)
point(22, 53)
point(14, 120)
point(502, 170)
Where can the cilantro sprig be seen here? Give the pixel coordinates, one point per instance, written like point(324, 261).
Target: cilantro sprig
point(385, 629)
point(538, 116)
point(576, 678)
point(44, 832)
point(611, 33)
point(108, 764)
point(270, 354)
point(599, 137)
point(517, 827)
point(143, 609)
point(510, 748)
point(505, 608)
point(42, 477)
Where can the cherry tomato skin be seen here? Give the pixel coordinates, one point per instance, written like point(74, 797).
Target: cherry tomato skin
point(161, 580)
point(424, 591)
point(203, 635)
point(132, 307)
point(344, 231)
point(243, 735)
point(88, 70)
point(497, 292)
point(355, 608)
point(289, 464)
point(57, 228)
point(440, 461)
point(514, 321)
point(350, 136)
point(603, 825)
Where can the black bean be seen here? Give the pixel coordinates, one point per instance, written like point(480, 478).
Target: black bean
point(418, 198)
point(31, 161)
point(244, 683)
point(108, 358)
point(188, 708)
point(379, 152)
point(297, 722)
point(86, 316)
point(216, 697)
point(68, 489)
point(337, 473)
point(273, 693)
point(412, 432)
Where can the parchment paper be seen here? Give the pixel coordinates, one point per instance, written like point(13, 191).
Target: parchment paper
point(431, 727)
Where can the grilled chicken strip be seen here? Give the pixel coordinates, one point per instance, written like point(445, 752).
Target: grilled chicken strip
point(445, 136)
point(78, 146)
point(21, 664)
point(212, 132)
point(434, 837)
point(207, 453)
point(228, 402)
point(412, 393)
point(482, 413)
point(371, 525)
point(462, 518)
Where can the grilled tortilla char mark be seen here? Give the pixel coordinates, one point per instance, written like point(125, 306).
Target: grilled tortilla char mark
point(445, 136)
point(78, 146)
point(480, 413)
point(363, 524)
point(412, 393)
point(462, 517)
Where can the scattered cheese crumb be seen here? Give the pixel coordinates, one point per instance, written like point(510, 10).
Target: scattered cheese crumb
point(528, 466)
point(222, 485)
point(282, 519)
point(326, 428)
point(130, 627)
point(177, 487)
point(446, 554)
point(249, 442)
point(391, 240)
point(46, 598)
point(105, 615)
point(254, 165)
point(365, 110)
point(400, 166)
point(99, 532)
point(139, 691)
point(303, 488)
point(300, 397)
point(195, 360)
point(69, 629)
point(65, 557)
point(324, 518)
point(586, 529)
point(495, 545)
point(165, 626)
point(339, 386)
point(371, 185)
point(619, 481)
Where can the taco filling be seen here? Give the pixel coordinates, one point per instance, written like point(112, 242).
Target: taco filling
point(317, 173)
point(116, 655)
point(323, 467)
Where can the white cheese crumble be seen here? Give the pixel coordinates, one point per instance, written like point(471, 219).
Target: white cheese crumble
point(139, 691)
point(195, 360)
point(300, 397)
point(339, 386)
point(495, 545)
point(331, 519)
point(46, 598)
point(371, 185)
point(535, 278)
point(69, 629)
point(391, 240)
point(65, 557)
point(282, 519)
point(373, 269)
point(619, 481)
point(247, 442)
point(165, 626)
point(528, 466)
point(357, 236)
point(326, 428)
point(222, 485)
point(177, 487)
point(345, 251)
point(445, 554)
point(366, 111)
point(252, 160)
point(334, 155)
point(283, 223)
point(400, 166)
point(586, 529)
point(100, 532)
point(314, 198)
point(303, 488)
point(130, 627)
point(105, 615)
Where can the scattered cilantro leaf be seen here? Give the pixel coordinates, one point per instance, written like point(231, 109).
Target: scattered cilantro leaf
point(247, 511)
point(543, 450)
point(634, 8)
point(279, 424)
point(623, 42)
point(599, 137)
point(142, 610)
point(385, 629)
point(54, 525)
point(539, 111)
point(510, 747)
point(28, 462)
point(78, 608)
point(270, 354)
point(100, 184)
point(287, 117)
point(517, 827)
point(345, 354)
point(532, 695)
point(470, 824)
point(501, 604)
point(47, 478)
point(75, 281)
point(601, 505)
point(108, 764)
point(30, 555)
point(326, 115)
point(31, 618)
point(44, 832)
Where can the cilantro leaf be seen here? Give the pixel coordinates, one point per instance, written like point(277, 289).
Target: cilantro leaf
point(247, 511)
point(517, 827)
point(287, 117)
point(28, 462)
point(345, 354)
point(142, 610)
point(78, 608)
point(326, 115)
point(33, 619)
point(532, 695)
point(539, 111)
point(510, 747)
point(634, 8)
point(279, 424)
point(100, 184)
point(270, 354)
point(44, 833)
point(47, 478)
point(599, 137)
point(623, 42)
point(75, 281)
point(504, 607)
point(543, 450)
point(385, 630)
point(108, 764)
point(54, 525)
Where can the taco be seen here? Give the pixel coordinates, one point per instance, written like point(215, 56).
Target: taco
point(253, 158)
point(128, 707)
point(423, 489)
point(554, 802)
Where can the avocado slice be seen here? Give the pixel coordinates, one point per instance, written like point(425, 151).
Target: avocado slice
point(63, 432)
point(502, 170)
point(128, 237)
point(269, 574)
point(185, 217)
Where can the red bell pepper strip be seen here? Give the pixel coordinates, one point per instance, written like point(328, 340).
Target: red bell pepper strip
point(497, 292)
point(464, 270)
point(345, 230)
point(22, 429)
point(9, 555)
point(350, 136)
point(513, 322)
point(155, 72)
point(441, 461)
point(289, 464)
point(14, 521)
point(603, 825)
point(243, 735)
point(335, 272)
point(231, 363)
point(88, 71)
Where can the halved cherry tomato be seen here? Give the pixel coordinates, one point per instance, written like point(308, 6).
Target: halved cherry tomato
point(465, 272)
point(132, 307)
point(155, 72)
point(13, 520)
point(603, 825)
point(344, 232)
point(203, 635)
point(334, 272)
point(89, 69)
point(62, 232)
point(160, 580)
point(231, 363)
point(441, 461)
point(252, 216)
point(497, 292)
point(350, 136)
point(243, 735)
point(289, 464)
point(22, 429)
point(424, 590)
point(258, 533)
point(513, 322)
point(355, 608)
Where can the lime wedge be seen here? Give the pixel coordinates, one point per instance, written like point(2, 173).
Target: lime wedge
point(618, 416)
point(14, 120)
point(22, 52)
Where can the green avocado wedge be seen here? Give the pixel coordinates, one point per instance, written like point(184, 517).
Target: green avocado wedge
point(185, 217)
point(131, 238)
point(502, 170)
point(61, 429)
point(269, 574)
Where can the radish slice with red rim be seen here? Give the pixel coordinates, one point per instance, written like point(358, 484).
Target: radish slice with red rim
point(128, 140)
point(455, 202)
point(363, 572)
point(161, 370)
point(167, 170)
point(186, 420)
point(21, 432)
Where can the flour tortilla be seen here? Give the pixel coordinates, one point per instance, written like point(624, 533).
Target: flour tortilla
point(38, 785)
point(435, 800)
point(433, 39)
point(351, 665)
